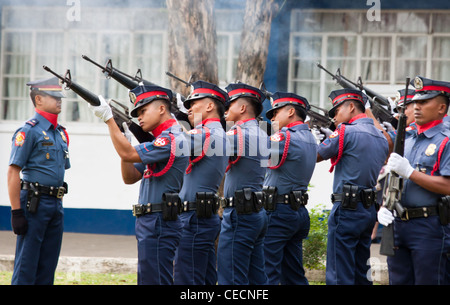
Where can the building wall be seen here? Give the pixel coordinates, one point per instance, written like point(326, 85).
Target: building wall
point(98, 201)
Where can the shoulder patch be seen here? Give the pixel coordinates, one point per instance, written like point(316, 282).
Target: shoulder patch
point(334, 134)
point(231, 132)
point(193, 131)
point(278, 137)
point(20, 138)
point(161, 142)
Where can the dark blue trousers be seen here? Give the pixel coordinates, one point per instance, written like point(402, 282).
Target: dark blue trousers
point(283, 245)
point(37, 251)
point(157, 242)
point(195, 261)
point(422, 254)
point(240, 259)
point(348, 246)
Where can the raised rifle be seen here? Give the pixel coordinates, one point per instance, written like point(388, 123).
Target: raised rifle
point(319, 120)
point(88, 96)
point(121, 116)
point(376, 101)
point(316, 119)
point(123, 78)
point(118, 115)
point(393, 186)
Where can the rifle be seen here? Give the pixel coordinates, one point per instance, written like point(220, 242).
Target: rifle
point(126, 80)
point(392, 193)
point(123, 116)
point(376, 100)
point(316, 119)
point(88, 96)
point(91, 98)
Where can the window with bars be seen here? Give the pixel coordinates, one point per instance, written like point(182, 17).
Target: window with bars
point(402, 44)
point(131, 38)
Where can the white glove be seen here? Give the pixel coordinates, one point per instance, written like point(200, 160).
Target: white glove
point(327, 132)
point(126, 132)
point(400, 165)
point(385, 216)
point(103, 111)
point(318, 135)
point(387, 126)
point(180, 104)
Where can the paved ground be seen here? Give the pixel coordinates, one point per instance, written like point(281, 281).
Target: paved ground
point(118, 253)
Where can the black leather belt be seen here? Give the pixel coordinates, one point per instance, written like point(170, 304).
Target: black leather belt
point(55, 191)
point(351, 195)
point(142, 209)
point(411, 213)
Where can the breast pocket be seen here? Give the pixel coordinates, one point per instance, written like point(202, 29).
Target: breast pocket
point(426, 162)
point(47, 151)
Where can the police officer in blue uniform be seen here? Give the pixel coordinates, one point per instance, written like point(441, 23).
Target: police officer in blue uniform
point(422, 234)
point(244, 223)
point(160, 166)
point(357, 150)
point(40, 152)
point(286, 188)
point(196, 261)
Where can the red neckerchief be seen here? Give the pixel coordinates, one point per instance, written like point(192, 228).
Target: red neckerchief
point(240, 122)
point(294, 124)
point(357, 117)
point(207, 121)
point(165, 125)
point(51, 117)
point(426, 126)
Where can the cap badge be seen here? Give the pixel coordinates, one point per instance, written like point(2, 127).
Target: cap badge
point(132, 97)
point(418, 83)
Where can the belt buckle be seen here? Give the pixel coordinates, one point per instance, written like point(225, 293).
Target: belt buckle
point(138, 210)
point(405, 216)
point(60, 192)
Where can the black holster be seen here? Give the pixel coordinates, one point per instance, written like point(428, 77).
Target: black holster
point(270, 198)
point(368, 197)
point(171, 206)
point(350, 197)
point(297, 199)
point(207, 204)
point(247, 201)
point(444, 210)
point(33, 198)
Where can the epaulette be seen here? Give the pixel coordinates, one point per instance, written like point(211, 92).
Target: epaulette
point(32, 122)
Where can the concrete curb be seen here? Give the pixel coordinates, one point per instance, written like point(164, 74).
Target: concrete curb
point(73, 264)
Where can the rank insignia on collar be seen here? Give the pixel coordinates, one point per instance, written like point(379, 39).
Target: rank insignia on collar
point(63, 136)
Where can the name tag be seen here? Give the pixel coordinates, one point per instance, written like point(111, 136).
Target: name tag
point(47, 144)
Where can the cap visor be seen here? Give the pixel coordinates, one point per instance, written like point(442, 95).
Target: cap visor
point(425, 96)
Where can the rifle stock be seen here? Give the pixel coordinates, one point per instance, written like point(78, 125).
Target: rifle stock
point(392, 194)
point(88, 96)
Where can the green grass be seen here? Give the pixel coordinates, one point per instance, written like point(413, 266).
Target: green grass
point(63, 278)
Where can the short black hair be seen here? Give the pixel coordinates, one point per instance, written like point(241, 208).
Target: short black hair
point(220, 108)
point(300, 112)
point(34, 93)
